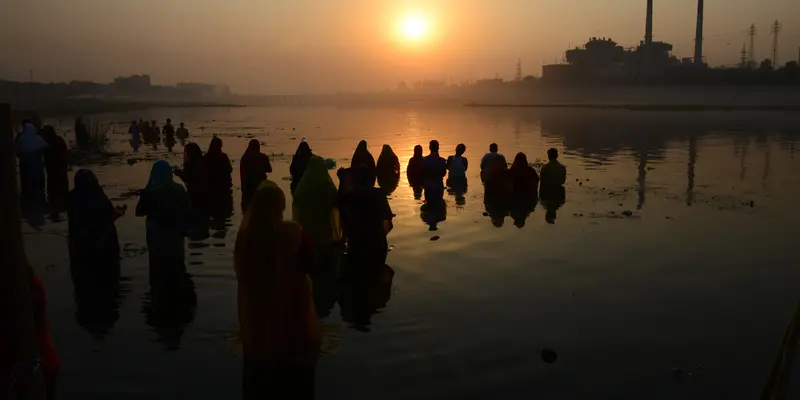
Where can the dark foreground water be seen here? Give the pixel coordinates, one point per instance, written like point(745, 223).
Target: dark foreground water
point(700, 275)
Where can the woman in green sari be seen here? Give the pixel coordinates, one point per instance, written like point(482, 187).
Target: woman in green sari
point(314, 207)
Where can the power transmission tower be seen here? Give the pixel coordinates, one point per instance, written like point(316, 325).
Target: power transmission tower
point(776, 29)
point(743, 57)
point(752, 33)
point(519, 70)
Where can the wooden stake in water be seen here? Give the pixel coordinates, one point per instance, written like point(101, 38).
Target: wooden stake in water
point(779, 375)
point(16, 308)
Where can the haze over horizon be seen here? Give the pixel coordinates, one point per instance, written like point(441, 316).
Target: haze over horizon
point(312, 46)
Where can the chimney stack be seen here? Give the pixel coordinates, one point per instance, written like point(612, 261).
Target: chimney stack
point(648, 30)
point(698, 38)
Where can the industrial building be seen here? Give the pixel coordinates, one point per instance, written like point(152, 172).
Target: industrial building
point(604, 60)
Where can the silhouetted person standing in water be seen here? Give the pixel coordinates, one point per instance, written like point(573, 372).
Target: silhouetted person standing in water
point(136, 136)
point(523, 177)
point(487, 159)
point(30, 146)
point(278, 321)
point(367, 219)
point(434, 169)
point(169, 135)
point(388, 170)
point(253, 169)
point(553, 173)
point(182, 133)
point(552, 192)
point(146, 132)
point(82, 138)
point(155, 134)
point(362, 157)
point(166, 205)
point(194, 176)
point(299, 163)
point(220, 181)
point(314, 207)
point(93, 243)
point(414, 169)
point(55, 163)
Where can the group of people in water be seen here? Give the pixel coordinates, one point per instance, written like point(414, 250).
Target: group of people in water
point(142, 132)
point(334, 230)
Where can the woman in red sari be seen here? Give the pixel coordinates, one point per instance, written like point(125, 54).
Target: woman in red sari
point(279, 328)
point(14, 370)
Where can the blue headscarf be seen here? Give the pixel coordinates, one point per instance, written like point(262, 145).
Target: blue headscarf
point(160, 175)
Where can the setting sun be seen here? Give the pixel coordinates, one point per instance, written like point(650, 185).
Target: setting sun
point(414, 27)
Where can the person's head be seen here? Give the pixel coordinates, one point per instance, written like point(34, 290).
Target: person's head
point(48, 133)
point(361, 177)
point(267, 205)
point(303, 149)
point(417, 151)
point(182, 125)
point(254, 146)
point(192, 153)
point(153, 122)
point(552, 154)
point(521, 160)
point(346, 181)
point(29, 129)
point(169, 121)
point(387, 149)
point(133, 122)
point(215, 146)
point(85, 180)
point(434, 146)
point(461, 149)
point(493, 148)
point(362, 146)
point(160, 175)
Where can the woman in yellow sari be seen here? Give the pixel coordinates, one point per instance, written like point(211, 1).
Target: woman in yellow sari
point(314, 207)
point(279, 328)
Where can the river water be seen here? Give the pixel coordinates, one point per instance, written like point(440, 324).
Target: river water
point(673, 250)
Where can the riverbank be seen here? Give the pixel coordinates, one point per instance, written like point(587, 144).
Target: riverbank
point(73, 108)
point(649, 107)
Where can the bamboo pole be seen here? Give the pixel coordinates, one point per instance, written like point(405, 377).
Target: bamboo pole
point(15, 293)
point(779, 375)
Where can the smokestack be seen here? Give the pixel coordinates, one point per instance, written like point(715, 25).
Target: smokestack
point(648, 30)
point(698, 38)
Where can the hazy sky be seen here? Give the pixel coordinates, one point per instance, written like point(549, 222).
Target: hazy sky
point(301, 46)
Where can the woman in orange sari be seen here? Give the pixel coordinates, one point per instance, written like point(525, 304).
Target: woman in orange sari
point(279, 328)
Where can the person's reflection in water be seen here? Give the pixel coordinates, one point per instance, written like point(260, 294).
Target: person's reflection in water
point(553, 197)
point(279, 325)
point(433, 213)
point(362, 296)
point(169, 312)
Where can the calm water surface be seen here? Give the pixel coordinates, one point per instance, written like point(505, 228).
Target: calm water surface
point(701, 275)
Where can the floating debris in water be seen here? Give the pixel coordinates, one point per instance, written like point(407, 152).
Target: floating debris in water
point(435, 238)
point(580, 183)
point(549, 356)
point(627, 213)
point(677, 372)
point(292, 138)
point(286, 178)
point(392, 247)
point(668, 217)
